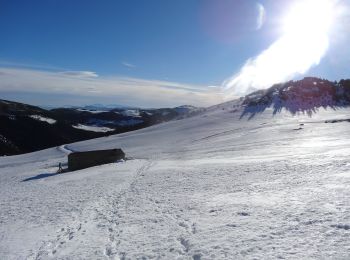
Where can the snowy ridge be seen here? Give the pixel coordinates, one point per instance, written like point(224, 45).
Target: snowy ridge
point(91, 111)
point(93, 128)
point(131, 112)
point(303, 96)
point(213, 186)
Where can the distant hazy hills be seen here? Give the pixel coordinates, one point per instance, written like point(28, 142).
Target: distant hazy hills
point(25, 128)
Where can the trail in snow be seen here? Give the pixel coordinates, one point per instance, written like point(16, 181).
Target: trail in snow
point(99, 219)
point(65, 149)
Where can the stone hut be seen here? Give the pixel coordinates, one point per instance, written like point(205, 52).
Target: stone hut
point(82, 160)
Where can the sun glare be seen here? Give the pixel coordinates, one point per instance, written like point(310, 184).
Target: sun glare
point(306, 33)
point(305, 38)
point(310, 17)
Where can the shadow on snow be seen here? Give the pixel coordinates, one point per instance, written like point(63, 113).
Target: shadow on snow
point(41, 176)
point(252, 111)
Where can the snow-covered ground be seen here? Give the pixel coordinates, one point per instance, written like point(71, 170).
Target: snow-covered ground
point(91, 128)
point(131, 112)
point(212, 186)
point(43, 119)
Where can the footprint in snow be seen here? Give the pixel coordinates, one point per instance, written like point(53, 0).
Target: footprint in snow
point(244, 214)
point(341, 226)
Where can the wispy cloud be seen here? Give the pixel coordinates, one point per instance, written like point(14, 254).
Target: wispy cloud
point(80, 74)
point(261, 16)
point(128, 91)
point(128, 65)
point(26, 65)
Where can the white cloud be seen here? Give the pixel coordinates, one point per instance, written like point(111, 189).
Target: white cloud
point(128, 91)
point(128, 65)
point(80, 74)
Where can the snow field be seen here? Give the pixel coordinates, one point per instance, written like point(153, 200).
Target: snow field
point(208, 187)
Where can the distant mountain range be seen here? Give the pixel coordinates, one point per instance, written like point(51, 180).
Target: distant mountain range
point(25, 128)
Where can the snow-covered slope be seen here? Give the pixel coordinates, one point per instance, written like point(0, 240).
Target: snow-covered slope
point(214, 186)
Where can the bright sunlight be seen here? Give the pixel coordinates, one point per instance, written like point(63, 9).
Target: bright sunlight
point(309, 18)
point(306, 29)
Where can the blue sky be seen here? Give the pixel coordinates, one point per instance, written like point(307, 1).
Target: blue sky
point(182, 46)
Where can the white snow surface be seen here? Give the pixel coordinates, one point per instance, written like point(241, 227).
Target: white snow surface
point(213, 186)
point(131, 112)
point(92, 128)
point(43, 119)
